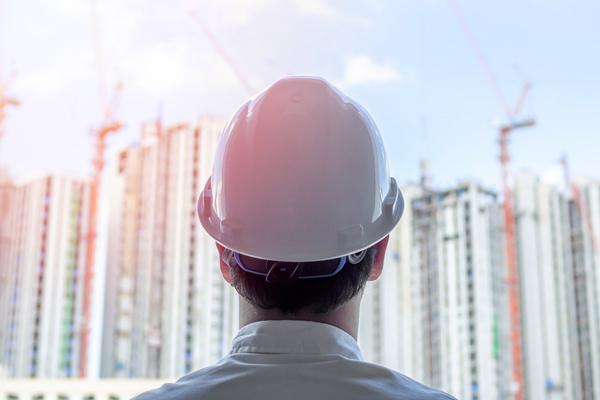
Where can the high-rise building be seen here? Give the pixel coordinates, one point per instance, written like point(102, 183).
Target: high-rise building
point(548, 324)
point(6, 200)
point(439, 311)
point(585, 234)
point(461, 298)
point(388, 328)
point(42, 260)
point(167, 309)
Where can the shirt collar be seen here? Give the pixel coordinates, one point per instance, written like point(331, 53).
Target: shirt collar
point(295, 337)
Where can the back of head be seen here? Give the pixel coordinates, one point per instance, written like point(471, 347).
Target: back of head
point(316, 296)
point(299, 195)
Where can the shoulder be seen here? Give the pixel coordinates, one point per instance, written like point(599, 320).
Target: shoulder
point(401, 386)
point(187, 387)
point(421, 391)
point(357, 379)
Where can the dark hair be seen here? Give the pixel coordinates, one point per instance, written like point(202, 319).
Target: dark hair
point(315, 295)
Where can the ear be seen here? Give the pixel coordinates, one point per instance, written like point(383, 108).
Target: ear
point(377, 268)
point(225, 269)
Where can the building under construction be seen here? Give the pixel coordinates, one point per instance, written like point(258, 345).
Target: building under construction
point(457, 256)
point(389, 323)
point(167, 309)
point(585, 229)
point(544, 251)
point(42, 253)
point(441, 314)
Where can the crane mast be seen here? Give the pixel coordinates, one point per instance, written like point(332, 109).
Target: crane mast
point(512, 273)
point(108, 127)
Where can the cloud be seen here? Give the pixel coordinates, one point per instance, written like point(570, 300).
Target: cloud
point(169, 66)
point(323, 8)
point(317, 7)
point(230, 12)
point(53, 78)
point(362, 70)
point(242, 11)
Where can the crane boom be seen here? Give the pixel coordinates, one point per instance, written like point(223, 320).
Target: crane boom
point(481, 59)
point(512, 276)
point(221, 51)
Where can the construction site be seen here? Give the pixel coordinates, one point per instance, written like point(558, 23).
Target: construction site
point(492, 283)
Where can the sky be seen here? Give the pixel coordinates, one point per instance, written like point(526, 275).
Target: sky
point(408, 62)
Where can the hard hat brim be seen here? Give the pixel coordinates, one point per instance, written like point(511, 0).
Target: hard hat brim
point(314, 247)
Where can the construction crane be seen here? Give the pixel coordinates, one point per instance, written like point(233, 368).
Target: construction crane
point(5, 102)
point(505, 131)
point(512, 273)
point(108, 127)
point(241, 77)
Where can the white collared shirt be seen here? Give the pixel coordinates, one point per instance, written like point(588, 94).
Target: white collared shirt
point(294, 360)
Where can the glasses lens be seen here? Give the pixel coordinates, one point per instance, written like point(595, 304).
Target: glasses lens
point(254, 264)
point(320, 268)
point(315, 269)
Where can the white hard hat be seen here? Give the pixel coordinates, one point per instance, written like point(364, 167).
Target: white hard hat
point(300, 174)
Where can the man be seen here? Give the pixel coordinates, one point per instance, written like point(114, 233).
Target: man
point(300, 203)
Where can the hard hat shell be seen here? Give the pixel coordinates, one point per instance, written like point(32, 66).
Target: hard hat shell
point(300, 174)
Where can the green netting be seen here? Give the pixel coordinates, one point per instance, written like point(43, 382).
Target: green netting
point(496, 339)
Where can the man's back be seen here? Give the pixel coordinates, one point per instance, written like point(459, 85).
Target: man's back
point(294, 360)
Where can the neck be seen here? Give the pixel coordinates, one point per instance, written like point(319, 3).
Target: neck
point(344, 317)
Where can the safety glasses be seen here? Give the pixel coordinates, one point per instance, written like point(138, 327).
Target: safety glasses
point(285, 271)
